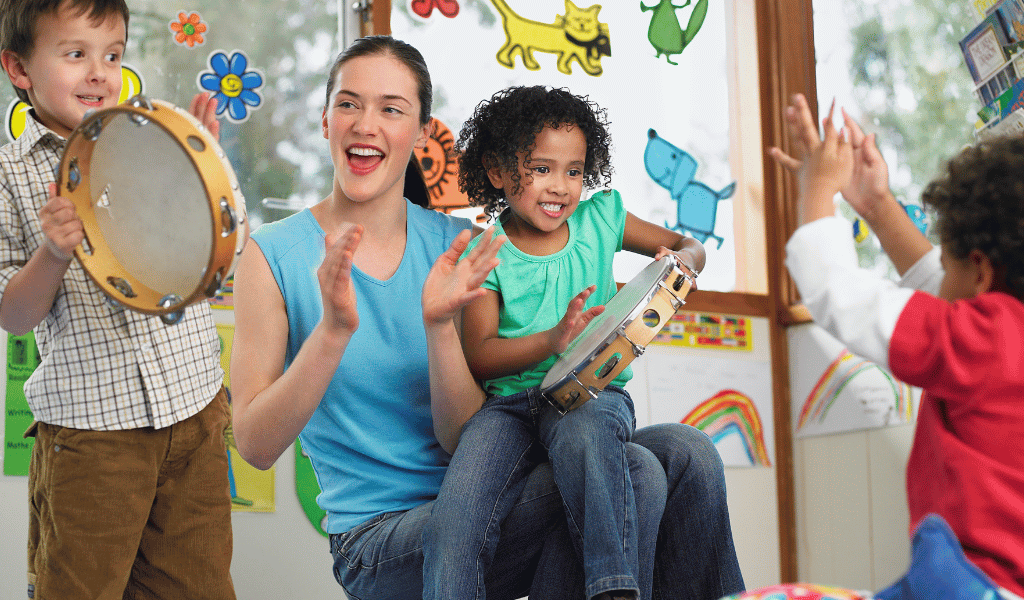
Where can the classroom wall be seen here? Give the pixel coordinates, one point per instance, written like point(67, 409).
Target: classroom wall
point(851, 504)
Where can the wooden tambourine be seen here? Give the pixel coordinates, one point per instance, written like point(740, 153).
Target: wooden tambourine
point(614, 338)
point(160, 204)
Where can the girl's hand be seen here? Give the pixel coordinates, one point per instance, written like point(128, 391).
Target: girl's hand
point(453, 283)
point(574, 321)
point(687, 258)
point(62, 229)
point(335, 276)
point(204, 108)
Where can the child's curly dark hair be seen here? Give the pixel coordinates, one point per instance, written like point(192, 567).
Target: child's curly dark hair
point(980, 205)
point(508, 123)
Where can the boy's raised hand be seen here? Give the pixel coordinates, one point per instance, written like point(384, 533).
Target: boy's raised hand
point(453, 283)
point(335, 277)
point(204, 108)
point(803, 133)
point(574, 321)
point(826, 170)
point(869, 181)
point(62, 229)
point(869, 184)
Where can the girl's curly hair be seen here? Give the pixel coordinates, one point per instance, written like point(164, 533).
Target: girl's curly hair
point(508, 123)
point(980, 205)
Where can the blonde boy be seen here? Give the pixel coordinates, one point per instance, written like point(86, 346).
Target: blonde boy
point(128, 480)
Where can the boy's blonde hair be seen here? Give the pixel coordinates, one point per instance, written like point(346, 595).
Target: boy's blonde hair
point(18, 20)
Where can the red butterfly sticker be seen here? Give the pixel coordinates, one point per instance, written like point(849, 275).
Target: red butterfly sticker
point(423, 8)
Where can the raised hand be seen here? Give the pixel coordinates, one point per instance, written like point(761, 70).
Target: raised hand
point(869, 184)
point(335, 277)
point(453, 283)
point(574, 321)
point(204, 108)
point(62, 229)
point(803, 133)
point(826, 170)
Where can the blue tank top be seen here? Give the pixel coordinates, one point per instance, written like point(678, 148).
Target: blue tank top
point(371, 439)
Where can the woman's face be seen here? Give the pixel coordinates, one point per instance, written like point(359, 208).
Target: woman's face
point(373, 123)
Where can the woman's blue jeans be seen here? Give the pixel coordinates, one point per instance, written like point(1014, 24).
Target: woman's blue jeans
point(694, 558)
point(587, 451)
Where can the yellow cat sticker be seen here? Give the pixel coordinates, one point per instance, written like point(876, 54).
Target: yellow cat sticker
point(575, 36)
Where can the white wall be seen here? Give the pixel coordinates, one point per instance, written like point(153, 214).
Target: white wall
point(851, 503)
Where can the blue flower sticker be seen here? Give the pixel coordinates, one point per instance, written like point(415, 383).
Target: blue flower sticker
point(233, 86)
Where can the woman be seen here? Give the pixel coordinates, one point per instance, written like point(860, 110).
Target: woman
point(370, 374)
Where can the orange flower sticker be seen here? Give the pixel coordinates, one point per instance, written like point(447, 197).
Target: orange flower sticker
point(188, 29)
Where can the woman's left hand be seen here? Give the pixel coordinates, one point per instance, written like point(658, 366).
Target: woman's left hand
point(454, 283)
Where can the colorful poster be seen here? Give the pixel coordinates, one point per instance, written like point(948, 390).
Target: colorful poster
point(835, 391)
point(726, 395)
point(22, 359)
point(705, 330)
point(252, 490)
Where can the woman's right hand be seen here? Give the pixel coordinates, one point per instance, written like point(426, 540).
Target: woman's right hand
point(335, 276)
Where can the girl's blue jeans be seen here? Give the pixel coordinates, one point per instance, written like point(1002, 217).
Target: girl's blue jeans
point(535, 553)
point(587, 451)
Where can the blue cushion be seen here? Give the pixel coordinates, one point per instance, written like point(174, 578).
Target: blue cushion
point(938, 569)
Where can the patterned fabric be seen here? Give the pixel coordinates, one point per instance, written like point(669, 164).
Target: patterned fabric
point(799, 591)
point(102, 367)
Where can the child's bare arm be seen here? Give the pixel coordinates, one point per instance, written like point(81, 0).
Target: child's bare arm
point(31, 292)
point(490, 356)
point(644, 237)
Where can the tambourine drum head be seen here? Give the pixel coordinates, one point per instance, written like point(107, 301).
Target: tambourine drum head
point(151, 205)
point(617, 311)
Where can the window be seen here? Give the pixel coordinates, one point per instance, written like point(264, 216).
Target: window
point(277, 152)
point(687, 104)
point(897, 68)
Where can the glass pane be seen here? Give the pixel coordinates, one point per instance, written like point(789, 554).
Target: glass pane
point(687, 103)
point(896, 66)
point(275, 145)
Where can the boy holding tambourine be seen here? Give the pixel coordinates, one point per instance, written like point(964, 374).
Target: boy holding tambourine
point(128, 479)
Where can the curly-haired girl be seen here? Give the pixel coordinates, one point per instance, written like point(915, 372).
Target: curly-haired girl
point(526, 154)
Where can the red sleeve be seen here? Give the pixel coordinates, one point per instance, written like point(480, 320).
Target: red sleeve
point(955, 349)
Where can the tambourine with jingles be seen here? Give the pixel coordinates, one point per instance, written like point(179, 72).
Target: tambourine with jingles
point(631, 319)
point(163, 215)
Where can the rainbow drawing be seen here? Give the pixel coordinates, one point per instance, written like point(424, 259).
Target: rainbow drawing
point(730, 412)
point(843, 369)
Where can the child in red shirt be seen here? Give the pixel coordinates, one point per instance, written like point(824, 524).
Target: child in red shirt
point(961, 339)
